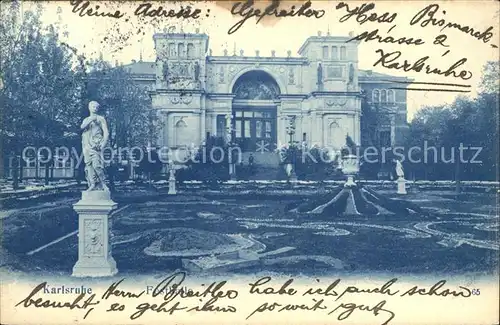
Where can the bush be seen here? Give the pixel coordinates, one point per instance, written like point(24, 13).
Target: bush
point(315, 164)
point(208, 165)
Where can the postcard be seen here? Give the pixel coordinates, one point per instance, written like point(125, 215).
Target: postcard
point(249, 162)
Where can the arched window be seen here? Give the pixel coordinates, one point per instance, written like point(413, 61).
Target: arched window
point(376, 96)
point(336, 136)
point(181, 133)
point(391, 96)
point(343, 53)
point(383, 96)
point(181, 50)
point(335, 53)
point(256, 85)
point(190, 50)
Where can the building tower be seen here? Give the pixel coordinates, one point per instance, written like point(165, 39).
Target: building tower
point(179, 96)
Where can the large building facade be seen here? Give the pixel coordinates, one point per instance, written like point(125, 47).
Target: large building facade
point(262, 100)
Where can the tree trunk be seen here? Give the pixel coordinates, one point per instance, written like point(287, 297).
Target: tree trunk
point(15, 176)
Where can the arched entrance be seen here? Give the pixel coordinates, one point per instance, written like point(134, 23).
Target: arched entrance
point(256, 96)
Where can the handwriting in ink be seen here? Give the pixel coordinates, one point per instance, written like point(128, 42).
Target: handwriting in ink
point(162, 308)
point(389, 61)
point(384, 289)
point(362, 15)
point(434, 291)
point(147, 10)
point(81, 7)
point(427, 15)
point(32, 300)
point(329, 291)
point(283, 290)
point(274, 306)
point(209, 306)
point(374, 36)
point(172, 288)
point(351, 307)
point(113, 291)
point(247, 11)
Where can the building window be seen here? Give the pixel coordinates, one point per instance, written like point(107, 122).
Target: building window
point(383, 96)
point(190, 50)
point(343, 53)
point(376, 96)
point(181, 133)
point(171, 49)
point(221, 126)
point(385, 139)
point(391, 96)
point(335, 53)
point(181, 50)
point(325, 52)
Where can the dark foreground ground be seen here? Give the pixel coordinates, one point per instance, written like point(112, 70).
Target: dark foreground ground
point(460, 237)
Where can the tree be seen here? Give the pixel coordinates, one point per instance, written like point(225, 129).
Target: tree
point(132, 121)
point(39, 94)
point(458, 131)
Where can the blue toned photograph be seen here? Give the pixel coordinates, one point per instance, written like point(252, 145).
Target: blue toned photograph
point(326, 139)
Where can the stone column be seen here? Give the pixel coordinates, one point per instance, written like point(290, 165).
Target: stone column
point(357, 129)
point(281, 132)
point(214, 124)
point(161, 135)
point(324, 130)
point(202, 121)
point(312, 122)
point(94, 225)
point(318, 128)
point(393, 130)
point(166, 130)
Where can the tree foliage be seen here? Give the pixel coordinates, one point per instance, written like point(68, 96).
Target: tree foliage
point(46, 86)
point(127, 106)
point(39, 94)
point(468, 123)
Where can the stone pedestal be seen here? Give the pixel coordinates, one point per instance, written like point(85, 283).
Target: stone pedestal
point(94, 225)
point(293, 177)
point(401, 186)
point(172, 183)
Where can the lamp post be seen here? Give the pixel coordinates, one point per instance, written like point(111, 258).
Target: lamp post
point(290, 168)
point(290, 129)
point(229, 141)
point(171, 178)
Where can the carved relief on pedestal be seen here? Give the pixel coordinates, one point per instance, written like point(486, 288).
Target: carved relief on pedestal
point(93, 239)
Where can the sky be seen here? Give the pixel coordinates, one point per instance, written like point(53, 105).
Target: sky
point(125, 39)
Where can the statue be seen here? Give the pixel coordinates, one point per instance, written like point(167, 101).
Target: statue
point(399, 169)
point(320, 74)
point(94, 137)
point(351, 74)
point(165, 70)
point(196, 71)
